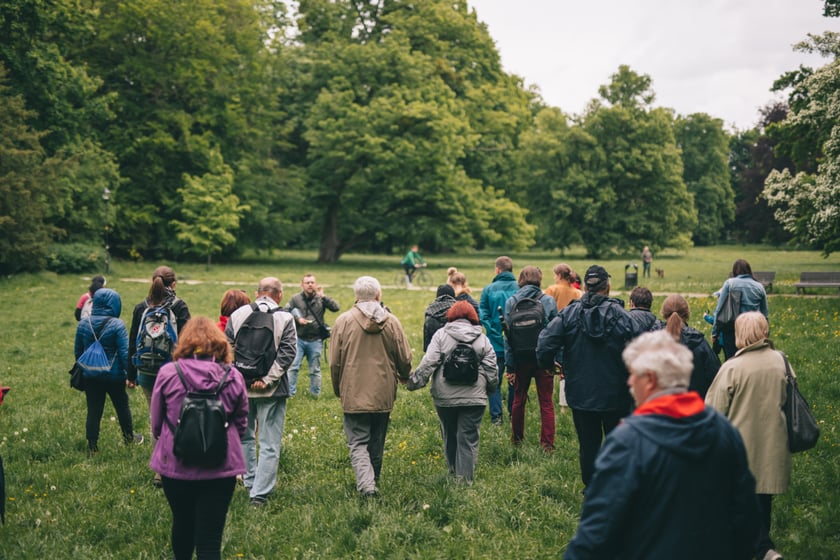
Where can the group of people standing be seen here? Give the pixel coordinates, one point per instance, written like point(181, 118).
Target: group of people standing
point(588, 339)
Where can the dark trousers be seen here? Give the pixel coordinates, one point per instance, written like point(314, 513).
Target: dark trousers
point(199, 509)
point(591, 428)
point(544, 380)
point(764, 542)
point(729, 347)
point(95, 391)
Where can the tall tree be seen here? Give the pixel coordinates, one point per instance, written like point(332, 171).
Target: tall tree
point(808, 204)
point(705, 151)
point(640, 197)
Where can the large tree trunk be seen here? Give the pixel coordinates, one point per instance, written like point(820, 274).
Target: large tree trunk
point(330, 248)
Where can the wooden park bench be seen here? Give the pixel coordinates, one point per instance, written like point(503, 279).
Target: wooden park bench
point(766, 278)
point(817, 280)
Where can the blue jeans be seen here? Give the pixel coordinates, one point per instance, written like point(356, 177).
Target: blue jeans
point(496, 396)
point(312, 350)
point(266, 417)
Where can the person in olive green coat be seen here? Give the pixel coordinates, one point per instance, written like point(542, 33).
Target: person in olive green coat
point(750, 390)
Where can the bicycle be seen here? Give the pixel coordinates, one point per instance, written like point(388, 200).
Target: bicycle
point(422, 278)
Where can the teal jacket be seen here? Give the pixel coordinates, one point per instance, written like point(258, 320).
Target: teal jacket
point(493, 296)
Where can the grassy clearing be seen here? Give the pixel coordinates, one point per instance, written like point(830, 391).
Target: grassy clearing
point(61, 504)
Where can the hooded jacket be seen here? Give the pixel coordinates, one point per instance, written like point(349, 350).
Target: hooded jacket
point(493, 296)
point(104, 319)
point(587, 339)
point(435, 317)
point(165, 408)
point(368, 353)
point(643, 320)
point(671, 481)
point(444, 341)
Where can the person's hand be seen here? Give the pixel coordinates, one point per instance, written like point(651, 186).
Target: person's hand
point(258, 385)
point(511, 377)
point(558, 371)
point(130, 384)
point(402, 380)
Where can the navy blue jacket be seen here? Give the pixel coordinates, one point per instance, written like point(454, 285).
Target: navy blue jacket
point(587, 339)
point(667, 487)
point(105, 317)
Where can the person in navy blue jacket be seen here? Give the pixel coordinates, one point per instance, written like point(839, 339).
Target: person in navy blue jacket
point(110, 330)
point(672, 480)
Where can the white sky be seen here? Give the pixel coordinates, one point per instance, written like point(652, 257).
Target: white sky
point(704, 56)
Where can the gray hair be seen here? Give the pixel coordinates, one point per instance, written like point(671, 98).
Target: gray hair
point(366, 288)
point(270, 285)
point(657, 352)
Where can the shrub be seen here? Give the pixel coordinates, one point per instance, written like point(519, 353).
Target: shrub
point(74, 257)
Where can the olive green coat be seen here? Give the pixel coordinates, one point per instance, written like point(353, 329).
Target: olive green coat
point(750, 390)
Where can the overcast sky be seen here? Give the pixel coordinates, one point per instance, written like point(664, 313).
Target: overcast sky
point(712, 56)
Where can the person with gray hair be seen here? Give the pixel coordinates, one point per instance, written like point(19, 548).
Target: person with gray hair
point(369, 355)
point(678, 461)
point(750, 389)
point(267, 395)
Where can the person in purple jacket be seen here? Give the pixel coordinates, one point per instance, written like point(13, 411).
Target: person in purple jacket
point(199, 497)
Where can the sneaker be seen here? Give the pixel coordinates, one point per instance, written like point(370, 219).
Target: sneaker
point(369, 494)
point(136, 439)
point(772, 555)
point(157, 482)
point(496, 421)
point(93, 451)
point(258, 501)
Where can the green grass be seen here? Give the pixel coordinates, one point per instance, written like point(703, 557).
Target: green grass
point(60, 504)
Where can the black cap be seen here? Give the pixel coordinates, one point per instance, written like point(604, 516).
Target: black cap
point(596, 275)
point(445, 290)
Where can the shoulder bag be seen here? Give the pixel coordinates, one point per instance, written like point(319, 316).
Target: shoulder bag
point(803, 430)
point(729, 310)
point(324, 331)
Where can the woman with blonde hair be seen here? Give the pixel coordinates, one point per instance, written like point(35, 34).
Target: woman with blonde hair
point(199, 496)
point(458, 281)
point(676, 313)
point(750, 390)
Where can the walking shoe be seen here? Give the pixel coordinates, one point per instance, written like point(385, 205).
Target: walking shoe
point(369, 494)
point(93, 451)
point(772, 555)
point(258, 501)
point(157, 482)
point(136, 439)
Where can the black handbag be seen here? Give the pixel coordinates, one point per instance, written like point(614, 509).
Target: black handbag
point(77, 377)
point(324, 331)
point(803, 430)
point(729, 310)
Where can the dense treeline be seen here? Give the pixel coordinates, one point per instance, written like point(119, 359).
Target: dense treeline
point(213, 127)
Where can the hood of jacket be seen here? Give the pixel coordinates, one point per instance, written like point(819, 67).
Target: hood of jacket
point(504, 276)
point(440, 306)
point(462, 330)
point(687, 435)
point(598, 314)
point(106, 302)
point(373, 316)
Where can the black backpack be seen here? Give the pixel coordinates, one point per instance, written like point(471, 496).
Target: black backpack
point(200, 438)
point(526, 321)
point(253, 346)
point(461, 365)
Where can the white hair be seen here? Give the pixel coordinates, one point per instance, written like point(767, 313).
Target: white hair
point(366, 288)
point(657, 352)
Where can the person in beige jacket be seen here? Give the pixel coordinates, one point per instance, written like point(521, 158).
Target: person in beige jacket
point(369, 355)
point(750, 390)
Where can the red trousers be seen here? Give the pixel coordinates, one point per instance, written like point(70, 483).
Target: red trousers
point(544, 381)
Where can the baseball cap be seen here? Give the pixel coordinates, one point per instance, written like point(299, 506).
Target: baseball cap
point(595, 275)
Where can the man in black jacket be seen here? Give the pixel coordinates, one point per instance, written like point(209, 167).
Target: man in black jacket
point(672, 481)
point(586, 341)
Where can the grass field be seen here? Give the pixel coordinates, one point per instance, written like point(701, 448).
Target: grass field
point(60, 504)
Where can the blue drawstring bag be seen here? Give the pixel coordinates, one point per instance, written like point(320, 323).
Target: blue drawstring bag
point(93, 361)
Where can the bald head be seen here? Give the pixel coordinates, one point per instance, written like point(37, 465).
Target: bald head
point(271, 287)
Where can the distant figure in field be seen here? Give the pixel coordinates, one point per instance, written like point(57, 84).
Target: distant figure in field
point(647, 258)
point(85, 303)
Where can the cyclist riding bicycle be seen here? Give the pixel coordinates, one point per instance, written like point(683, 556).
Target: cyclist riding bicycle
point(411, 262)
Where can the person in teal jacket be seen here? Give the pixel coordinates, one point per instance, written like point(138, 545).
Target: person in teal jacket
point(490, 309)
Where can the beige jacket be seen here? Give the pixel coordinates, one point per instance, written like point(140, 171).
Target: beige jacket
point(750, 390)
point(368, 353)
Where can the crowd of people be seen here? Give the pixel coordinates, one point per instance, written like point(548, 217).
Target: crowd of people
point(688, 431)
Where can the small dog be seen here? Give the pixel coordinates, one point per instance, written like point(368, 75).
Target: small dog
point(660, 273)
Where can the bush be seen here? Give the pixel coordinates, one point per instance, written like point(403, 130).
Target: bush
point(74, 257)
